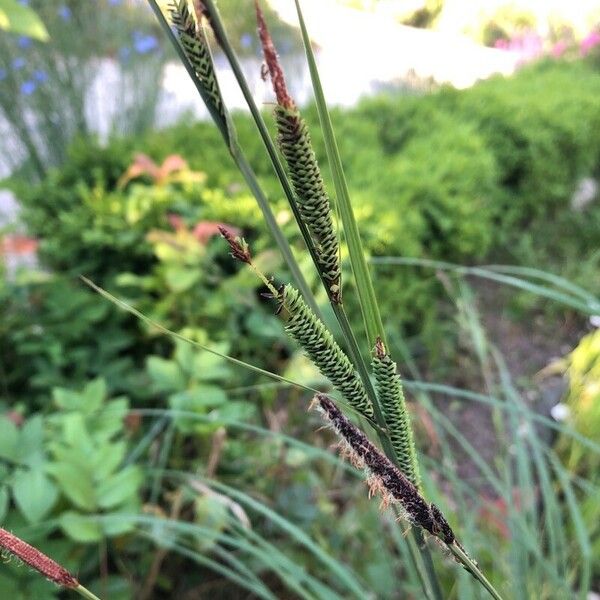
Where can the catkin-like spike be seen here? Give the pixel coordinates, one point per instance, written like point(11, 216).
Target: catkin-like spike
point(311, 197)
point(313, 201)
point(384, 476)
point(397, 419)
point(303, 325)
point(37, 560)
point(196, 49)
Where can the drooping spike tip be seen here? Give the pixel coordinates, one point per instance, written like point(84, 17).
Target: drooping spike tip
point(272, 60)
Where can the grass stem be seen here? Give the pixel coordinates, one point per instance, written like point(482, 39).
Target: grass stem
point(83, 591)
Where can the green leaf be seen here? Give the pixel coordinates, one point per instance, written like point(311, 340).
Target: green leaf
point(166, 374)
point(94, 395)
point(9, 440)
point(181, 279)
point(80, 528)
point(31, 441)
point(263, 325)
point(3, 502)
point(34, 494)
point(113, 527)
point(177, 336)
point(75, 484)
point(237, 410)
point(67, 399)
point(76, 435)
point(119, 488)
point(16, 18)
point(208, 367)
point(110, 420)
point(107, 458)
point(198, 399)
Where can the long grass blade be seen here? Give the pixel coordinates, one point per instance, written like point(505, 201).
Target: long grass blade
point(578, 298)
point(357, 256)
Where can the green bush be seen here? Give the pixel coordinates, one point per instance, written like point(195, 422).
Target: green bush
point(59, 472)
point(480, 174)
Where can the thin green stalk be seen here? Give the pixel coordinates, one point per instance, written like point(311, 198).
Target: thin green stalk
point(86, 593)
point(472, 567)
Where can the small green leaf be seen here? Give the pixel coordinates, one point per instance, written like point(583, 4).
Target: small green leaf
point(119, 488)
point(75, 484)
point(199, 399)
point(181, 279)
point(75, 432)
point(21, 19)
point(67, 399)
point(31, 441)
point(80, 528)
point(235, 411)
point(107, 458)
point(34, 494)
point(94, 395)
point(9, 440)
point(209, 367)
point(3, 502)
point(109, 421)
point(117, 526)
point(166, 374)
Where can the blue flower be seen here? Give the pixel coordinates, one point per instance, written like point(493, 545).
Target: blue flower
point(3, 74)
point(246, 40)
point(144, 44)
point(64, 12)
point(18, 63)
point(40, 76)
point(115, 2)
point(28, 87)
point(24, 2)
point(24, 42)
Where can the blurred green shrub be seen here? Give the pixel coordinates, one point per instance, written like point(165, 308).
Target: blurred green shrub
point(147, 229)
point(59, 471)
point(56, 333)
point(484, 173)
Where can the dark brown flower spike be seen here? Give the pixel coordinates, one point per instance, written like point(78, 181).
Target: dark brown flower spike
point(283, 97)
point(37, 560)
point(385, 478)
point(239, 247)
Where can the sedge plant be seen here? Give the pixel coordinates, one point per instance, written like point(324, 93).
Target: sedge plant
point(42, 563)
point(394, 471)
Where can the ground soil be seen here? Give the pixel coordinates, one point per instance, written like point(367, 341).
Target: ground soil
point(528, 343)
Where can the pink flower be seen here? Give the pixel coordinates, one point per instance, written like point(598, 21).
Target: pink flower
point(591, 40)
point(559, 48)
point(205, 230)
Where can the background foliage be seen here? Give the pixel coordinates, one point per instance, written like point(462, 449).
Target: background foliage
point(129, 438)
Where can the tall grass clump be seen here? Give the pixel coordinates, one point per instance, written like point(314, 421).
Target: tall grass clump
point(396, 474)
